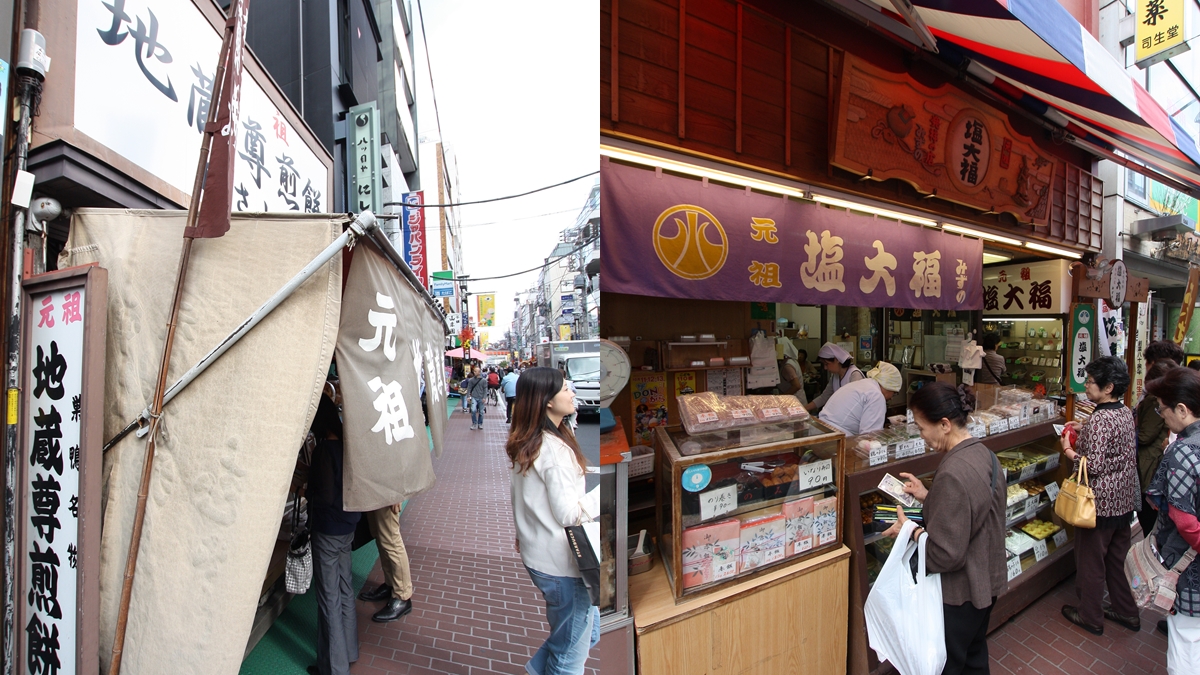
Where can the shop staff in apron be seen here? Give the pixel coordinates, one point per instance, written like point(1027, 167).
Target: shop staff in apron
point(861, 406)
point(841, 369)
point(791, 375)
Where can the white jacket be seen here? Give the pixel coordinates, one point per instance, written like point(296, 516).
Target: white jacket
point(547, 499)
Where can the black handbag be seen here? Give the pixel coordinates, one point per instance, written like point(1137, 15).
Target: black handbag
point(585, 557)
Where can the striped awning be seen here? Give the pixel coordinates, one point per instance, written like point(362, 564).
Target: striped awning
point(1036, 53)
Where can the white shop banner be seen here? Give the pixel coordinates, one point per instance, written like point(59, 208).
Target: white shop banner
point(1019, 289)
point(157, 58)
point(52, 507)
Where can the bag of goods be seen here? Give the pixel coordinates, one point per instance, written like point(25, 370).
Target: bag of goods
point(704, 412)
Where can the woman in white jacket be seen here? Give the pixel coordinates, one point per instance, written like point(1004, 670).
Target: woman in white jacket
point(548, 495)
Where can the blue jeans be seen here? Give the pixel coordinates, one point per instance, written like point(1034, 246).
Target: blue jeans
point(574, 626)
point(476, 411)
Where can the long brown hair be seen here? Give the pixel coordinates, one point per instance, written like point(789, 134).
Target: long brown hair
point(535, 388)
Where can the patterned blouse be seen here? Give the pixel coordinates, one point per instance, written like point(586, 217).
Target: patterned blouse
point(1109, 441)
point(1177, 484)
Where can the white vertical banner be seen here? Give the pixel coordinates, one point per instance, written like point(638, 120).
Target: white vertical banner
point(51, 526)
point(1141, 334)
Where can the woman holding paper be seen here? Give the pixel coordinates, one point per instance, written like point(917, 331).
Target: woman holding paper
point(964, 520)
point(548, 496)
point(1109, 442)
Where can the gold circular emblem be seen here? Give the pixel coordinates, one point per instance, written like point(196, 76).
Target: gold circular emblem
point(687, 250)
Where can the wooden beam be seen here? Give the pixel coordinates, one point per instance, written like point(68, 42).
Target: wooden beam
point(682, 61)
point(787, 96)
point(737, 145)
point(615, 64)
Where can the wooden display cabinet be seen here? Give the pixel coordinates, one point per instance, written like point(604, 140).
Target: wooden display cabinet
point(735, 503)
point(1040, 569)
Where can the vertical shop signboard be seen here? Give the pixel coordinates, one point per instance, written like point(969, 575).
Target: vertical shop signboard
point(414, 235)
point(1188, 306)
point(58, 490)
point(649, 395)
point(1140, 332)
point(363, 156)
point(487, 309)
point(1083, 330)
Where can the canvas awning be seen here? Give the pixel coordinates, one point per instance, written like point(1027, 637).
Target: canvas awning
point(1035, 53)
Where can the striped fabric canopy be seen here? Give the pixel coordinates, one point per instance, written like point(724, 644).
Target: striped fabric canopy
point(1036, 53)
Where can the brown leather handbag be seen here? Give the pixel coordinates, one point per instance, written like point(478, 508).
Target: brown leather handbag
point(1076, 502)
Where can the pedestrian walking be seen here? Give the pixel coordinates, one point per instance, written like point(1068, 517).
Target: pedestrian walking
point(1175, 492)
point(509, 386)
point(964, 518)
point(397, 588)
point(548, 495)
point(1109, 441)
point(477, 390)
point(332, 536)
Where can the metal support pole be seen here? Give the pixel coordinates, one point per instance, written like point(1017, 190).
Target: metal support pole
point(28, 89)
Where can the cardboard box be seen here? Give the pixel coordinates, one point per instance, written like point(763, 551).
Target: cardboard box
point(798, 515)
point(762, 538)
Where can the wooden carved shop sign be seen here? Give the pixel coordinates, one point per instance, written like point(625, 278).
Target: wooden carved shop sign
point(941, 141)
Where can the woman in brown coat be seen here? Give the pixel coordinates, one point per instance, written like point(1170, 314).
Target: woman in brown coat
point(964, 518)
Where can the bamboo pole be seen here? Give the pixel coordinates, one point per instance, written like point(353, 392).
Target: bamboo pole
point(168, 344)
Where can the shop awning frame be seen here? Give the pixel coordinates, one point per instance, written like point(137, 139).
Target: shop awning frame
point(1038, 56)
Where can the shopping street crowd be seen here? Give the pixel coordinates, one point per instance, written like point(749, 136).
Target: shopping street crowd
point(1142, 463)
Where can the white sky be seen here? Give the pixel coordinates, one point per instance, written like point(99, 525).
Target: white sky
point(517, 94)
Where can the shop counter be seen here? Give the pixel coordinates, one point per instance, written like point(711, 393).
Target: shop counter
point(790, 620)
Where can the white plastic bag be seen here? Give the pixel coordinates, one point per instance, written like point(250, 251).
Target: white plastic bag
point(904, 619)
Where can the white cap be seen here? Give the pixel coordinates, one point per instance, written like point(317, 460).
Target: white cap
point(832, 351)
point(887, 375)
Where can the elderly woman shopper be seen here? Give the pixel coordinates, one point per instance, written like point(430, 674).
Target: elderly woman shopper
point(964, 518)
point(1109, 442)
point(547, 496)
point(1175, 491)
point(1152, 434)
point(842, 371)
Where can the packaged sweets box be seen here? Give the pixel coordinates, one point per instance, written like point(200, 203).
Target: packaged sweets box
point(825, 520)
point(710, 552)
point(762, 539)
point(798, 515)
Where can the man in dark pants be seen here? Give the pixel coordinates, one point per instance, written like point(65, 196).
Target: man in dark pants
point(509, 386)
point(332, 537)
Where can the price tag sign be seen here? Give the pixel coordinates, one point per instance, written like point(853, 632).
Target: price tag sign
point(707, 417)
point(908, 415)
point(1031, 506)
point(1027, 472)
point(1014, 422)
point(1052, 462)
point(1039, 550)
point(878, 455)
point(904, 449)
point(1000, 426)
point(1060, 538)
point(1014, 567)
point(977, 430)
point(717, 502)
point(1052, 492)
point(814, 475)
point(771, 413)
point(743, 414)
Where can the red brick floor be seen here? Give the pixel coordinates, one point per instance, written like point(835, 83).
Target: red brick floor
point(1040, 641)
point(474, 608)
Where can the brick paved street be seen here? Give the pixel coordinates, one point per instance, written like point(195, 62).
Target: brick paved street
point(474, 608)
point(1039, 641)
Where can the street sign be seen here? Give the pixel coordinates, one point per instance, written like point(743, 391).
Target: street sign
point(363, 155)
point(442, 288)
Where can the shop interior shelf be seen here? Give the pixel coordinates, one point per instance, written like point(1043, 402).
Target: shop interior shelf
point(827, 490)
point(1026, 516)
point(1014, 479)
point(697, 344)
point(695, 368)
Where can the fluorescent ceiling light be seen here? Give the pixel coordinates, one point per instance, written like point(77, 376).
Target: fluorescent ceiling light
point(1054, 250)
point(989, 258)
point(884, 213)
point(949, 227)
point(645, 159)
point(1001, 318)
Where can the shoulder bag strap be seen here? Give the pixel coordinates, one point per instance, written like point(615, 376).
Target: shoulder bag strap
point(989, 368)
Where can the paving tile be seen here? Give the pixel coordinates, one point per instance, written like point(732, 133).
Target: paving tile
point(474, 608)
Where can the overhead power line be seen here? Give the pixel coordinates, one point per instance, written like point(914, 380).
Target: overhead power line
point(532, 269)
point(493, 199)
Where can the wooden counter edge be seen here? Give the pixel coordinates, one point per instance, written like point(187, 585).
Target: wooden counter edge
point(655, 608)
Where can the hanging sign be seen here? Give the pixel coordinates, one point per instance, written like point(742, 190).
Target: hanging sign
point(1027, 288)
point(362, 155)
point(1083, 329)
point(1160, 31)
point(1140, 332)
point(1188, 306)
point(941, 141)
point(58, 494)
point(677, 237)
point(414, 235)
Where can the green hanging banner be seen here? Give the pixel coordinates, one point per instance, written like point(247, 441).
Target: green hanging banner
point(1083, 334)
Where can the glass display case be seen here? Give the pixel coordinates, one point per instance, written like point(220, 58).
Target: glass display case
point(736, 502)
point(614, 500)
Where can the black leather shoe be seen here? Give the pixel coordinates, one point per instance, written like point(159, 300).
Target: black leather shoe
point(1133, 623)
point(395, 609)
point(381, 592)
point(1162, 626)
point(1072, 615)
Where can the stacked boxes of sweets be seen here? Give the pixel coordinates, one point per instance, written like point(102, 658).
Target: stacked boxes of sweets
point(706, 411)
point(723, 549)
point(1021, 463)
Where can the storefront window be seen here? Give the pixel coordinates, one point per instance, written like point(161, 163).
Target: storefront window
point(1135, 187)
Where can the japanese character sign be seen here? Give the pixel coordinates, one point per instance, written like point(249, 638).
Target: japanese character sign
point(881, 267)
point(51, 506)
point(1034, 288)
point(927, 277)
point(1082, 330)
point(823, 271)
point(1160, 30)
point(389, 360)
